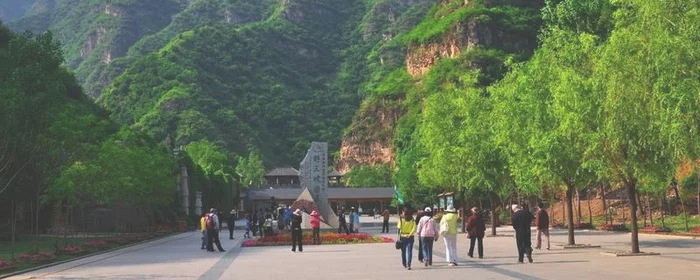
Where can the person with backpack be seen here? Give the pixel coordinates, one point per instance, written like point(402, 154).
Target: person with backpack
point(316, 227)
point(296, 232)
point(448, 230)
point(407, 228)
point(212, 223)
point(476, 228)
point(428, 233)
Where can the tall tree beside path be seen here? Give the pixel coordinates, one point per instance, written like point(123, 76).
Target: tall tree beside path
point(647, 78)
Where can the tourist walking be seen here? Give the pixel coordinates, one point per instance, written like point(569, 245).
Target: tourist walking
point(356, 222)
point(542, 223)
point(268, 226)
point(231, 224)
point(351, 220)
point(316, 227)
point(342, 223)
point(476, 228)
point(203, 229)
point(448, 230)
point(296, 231)
point(428, 234)
point(407, 229)
point(261, 222)
point(288, 216)
point(419, 215)
point(280, 219)
point(385, 222)
point(521, 223)
point(247, 226)
point(213, 224)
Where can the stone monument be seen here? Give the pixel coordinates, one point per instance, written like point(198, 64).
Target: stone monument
point(314, 178)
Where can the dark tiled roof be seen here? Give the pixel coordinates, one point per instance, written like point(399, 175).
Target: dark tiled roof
point(282, 171)
point(333, 193)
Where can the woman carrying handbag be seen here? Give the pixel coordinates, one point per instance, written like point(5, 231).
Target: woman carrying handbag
point(407, 228)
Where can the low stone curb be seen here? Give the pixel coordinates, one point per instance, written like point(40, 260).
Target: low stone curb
point(580, 246)
point(87, 256)
point(629, 254)
point(672, 234)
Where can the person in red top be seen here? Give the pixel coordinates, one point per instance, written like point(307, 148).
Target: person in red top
point(475, 231)
point(316, 227)
point(542, 223)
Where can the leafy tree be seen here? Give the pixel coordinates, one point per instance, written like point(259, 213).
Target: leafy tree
point(250, 169)
point(369, 176)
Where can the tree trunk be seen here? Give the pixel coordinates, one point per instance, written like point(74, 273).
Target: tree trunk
point(661, 209)
point(651, 213)
point(13, 221)
point(680, 198)
point(605, 207)
point(570, 212)
point(493, 215)
point(578, 208)
point(563, 209)
point(641, 210)
point(590, 211)
point(632, 192)
point(697, 174)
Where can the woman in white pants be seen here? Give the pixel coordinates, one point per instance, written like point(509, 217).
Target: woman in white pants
point(448, 230)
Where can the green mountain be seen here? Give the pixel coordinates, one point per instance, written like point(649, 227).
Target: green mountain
point(268, 75)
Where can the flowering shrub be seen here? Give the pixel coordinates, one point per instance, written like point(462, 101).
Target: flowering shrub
point(96, 244)
point(613, 227)
point(326, 238)
point(37, 257)
point(696, 230)
point(7, 264)
point(71, 250)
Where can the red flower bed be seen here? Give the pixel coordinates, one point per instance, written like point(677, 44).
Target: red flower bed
point(613, 227)
point(96, 244)
point(72, 250)
point(696, 230)
point(7, 264)
point(655, 229)
point(117, 240)
point(37, 257)
point(326, 238)
point(583, 226)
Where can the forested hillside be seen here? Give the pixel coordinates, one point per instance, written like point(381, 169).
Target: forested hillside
point(269, 76)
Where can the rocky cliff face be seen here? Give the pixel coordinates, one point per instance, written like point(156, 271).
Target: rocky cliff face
point(508, 35)
point(369, 139)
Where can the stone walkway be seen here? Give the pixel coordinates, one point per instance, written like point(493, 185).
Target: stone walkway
point(179, 257)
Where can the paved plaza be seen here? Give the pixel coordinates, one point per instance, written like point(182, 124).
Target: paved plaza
point(179, 257)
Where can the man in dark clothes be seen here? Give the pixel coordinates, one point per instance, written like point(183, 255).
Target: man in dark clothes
point(521, 223)
point(385, 223)
point(542, 223)
point(231, 224)
point(261, 222)
point(342, 224)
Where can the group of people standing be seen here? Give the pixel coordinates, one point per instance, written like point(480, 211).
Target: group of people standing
point(428, 231)
point(210, 226)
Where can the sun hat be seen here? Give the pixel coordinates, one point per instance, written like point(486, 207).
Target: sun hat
point(475, 209)
point(297, 212)
point(451, 209)
point(427, 209)
point(515, 207)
